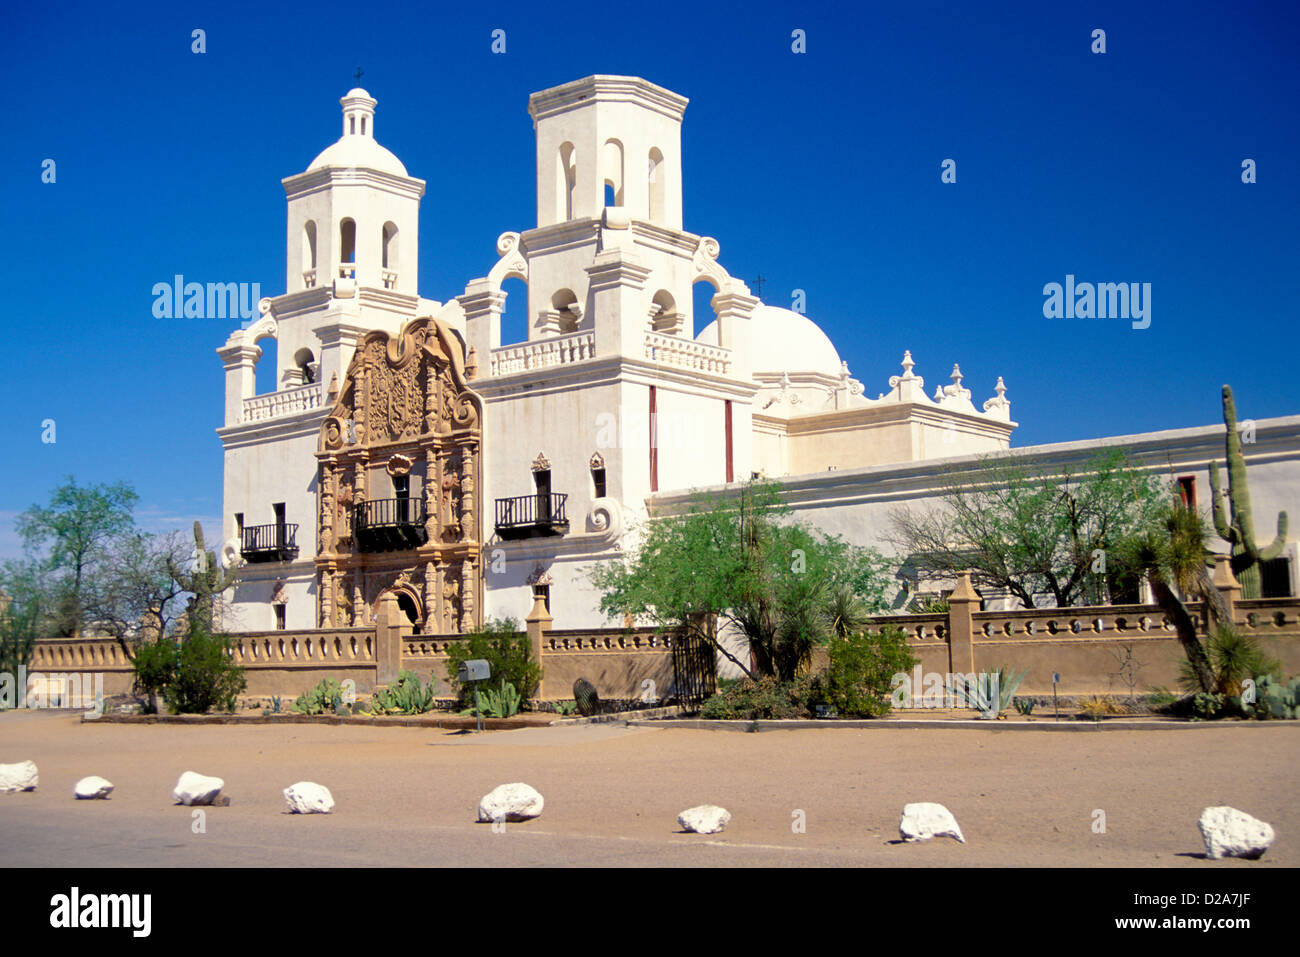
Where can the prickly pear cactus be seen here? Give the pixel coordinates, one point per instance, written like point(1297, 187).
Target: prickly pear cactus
point(584, 693)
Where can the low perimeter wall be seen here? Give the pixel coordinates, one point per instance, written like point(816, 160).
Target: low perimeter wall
point(1095, 650)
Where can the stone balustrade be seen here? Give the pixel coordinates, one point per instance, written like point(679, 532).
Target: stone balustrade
point(686, 353)
point(285, 402)
point(316, 647)
point(98, 654)
point(543, 353)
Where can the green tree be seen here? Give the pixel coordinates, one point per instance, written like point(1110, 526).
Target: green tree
point(133, 595)
point(741, 560)
point(506, 650)
point(73, 532)
point(1031, 531)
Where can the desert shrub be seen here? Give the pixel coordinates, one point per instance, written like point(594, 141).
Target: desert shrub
point(205, 675)
point(155, 666)
point(405, 696)
point(325, 698)
point(1099, 706)
point(508, 652)
point(743, 699)
point(861, 668)
point(1234, 657)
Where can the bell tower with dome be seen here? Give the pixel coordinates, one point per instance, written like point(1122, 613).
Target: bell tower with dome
point(351, 267)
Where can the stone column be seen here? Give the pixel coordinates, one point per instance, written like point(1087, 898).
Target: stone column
point(388, 639)
point(539, 623)
point(483, 305)
point(962, 604)
point(241, 382)
point(1227, 584)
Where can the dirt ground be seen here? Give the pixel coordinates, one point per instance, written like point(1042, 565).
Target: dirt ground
point(408, 796)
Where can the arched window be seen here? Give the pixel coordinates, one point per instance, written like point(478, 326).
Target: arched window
point(390, 246)
point(566, 180)
point(565, 303)
point(656, 173)
point(309, 254)
point(363, 126)
point(665, 318)
point(306, 363)
point(352, 124)
point(611, 171)
point(347, 249)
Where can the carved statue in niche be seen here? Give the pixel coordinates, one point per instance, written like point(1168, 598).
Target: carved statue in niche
point(451, 596)
point(452, 498)
point(325, 541)
point(344, 508)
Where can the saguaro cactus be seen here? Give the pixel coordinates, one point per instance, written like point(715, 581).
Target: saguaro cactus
point(1234, 522)
point(205, 583)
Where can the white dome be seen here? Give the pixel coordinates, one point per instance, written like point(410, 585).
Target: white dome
point(356, 151)
point(784, 341)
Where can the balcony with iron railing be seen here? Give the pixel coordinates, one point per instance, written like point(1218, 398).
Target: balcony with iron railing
point(390, 524)
point(532, 516)
point(269, 543)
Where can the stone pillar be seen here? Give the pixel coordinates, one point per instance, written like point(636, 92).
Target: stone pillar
point(388, 639)
point(1227, 584)
point(241, 383)
point(734, 308)
point(962, 604)
point(483, 305)
point(539, 623)
point(616, 283)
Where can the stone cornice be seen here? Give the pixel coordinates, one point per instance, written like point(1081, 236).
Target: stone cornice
point(606, 88)
point(330, 176)
point(280, 427)
point(1184, 449)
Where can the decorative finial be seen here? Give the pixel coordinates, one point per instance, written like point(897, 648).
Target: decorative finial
point(956, 375)
point(938, 393)
point(907, 363)
point(1000, 388)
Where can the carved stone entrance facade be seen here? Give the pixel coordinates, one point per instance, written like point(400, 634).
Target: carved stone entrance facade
point(399, 485)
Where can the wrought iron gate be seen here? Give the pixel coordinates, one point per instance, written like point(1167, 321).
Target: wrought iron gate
point(695, 672)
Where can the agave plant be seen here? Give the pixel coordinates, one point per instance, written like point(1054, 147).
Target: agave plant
point(992, 691)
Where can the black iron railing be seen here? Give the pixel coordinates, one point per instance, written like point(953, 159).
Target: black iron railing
point(269, 543)
point(390, 524)
point(528, 516)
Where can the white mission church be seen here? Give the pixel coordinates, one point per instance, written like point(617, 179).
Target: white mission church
point(406, 449)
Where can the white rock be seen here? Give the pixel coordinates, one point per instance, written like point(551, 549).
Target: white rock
point(194, 788)
point(925, 820)
point(307, 797)
point(88, 789)
point(1228, 832)
point(704, 819)
point(18, 777)
point(510, 802)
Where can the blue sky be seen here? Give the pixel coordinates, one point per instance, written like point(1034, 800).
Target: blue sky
point(821, 171)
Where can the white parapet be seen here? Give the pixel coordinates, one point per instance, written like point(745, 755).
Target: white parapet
point(285, 402)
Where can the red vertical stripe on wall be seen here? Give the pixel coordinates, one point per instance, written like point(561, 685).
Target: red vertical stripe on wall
point(654, 445)
point(730, 473)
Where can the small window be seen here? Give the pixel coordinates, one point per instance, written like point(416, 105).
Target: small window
point(279, 617)
point(544, 593)
point(1275, 578)
point(598, 480)
point(1187, 491)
